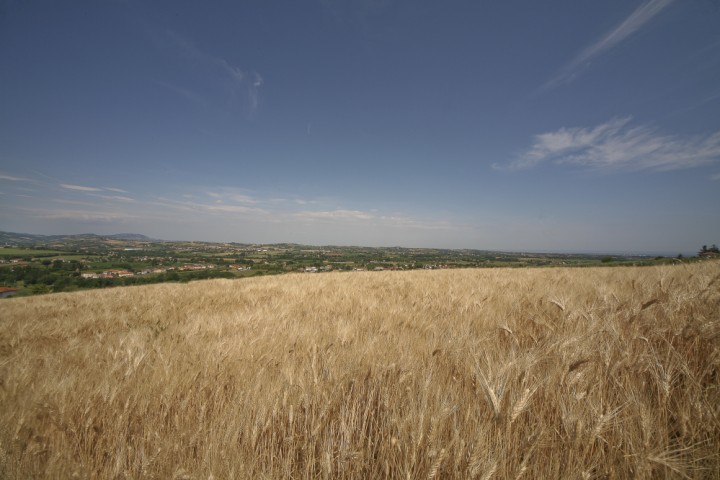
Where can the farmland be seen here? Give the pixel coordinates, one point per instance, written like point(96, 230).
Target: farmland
point(24, 252)
point(451, 373)
point(49, 264)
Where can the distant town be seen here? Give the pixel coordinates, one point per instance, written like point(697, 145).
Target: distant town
point(36, 264)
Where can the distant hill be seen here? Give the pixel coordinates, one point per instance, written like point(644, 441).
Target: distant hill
point(136, 237)
point(28, 239)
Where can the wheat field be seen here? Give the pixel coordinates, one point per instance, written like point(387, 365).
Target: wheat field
point(485, 374)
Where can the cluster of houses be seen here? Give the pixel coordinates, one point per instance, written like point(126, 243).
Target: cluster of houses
point(326, 268)
point(239, 267)
point(115, 273)
point(108, 274)
point(13, 260)
point(196, 266)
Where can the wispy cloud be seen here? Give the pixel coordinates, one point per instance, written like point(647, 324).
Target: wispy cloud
point(254, 93)
point(185, 93)
point(80, 188)
point(232, 195)
point(13, 178)
point(93, 191)
point(218, 207)
point(120, 198)
point(222, 208)
point(79, 215)
point(237, 82)
point(715, 177)
point(637, 19)
point(189, 49)
point(372, 218)
point(336, 215)
point(617, 145)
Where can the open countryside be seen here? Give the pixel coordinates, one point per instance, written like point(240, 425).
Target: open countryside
point(33, 264)
point(360, 239)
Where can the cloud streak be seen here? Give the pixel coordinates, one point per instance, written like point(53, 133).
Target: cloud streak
point(338, 214)
point(92, 191)
point(637, 19)
point(78, 215)
point(237, 81)
point(231, 195)
point(617, 145)
point(121, 198)
point(191, 51)
point(14, 179)
point(219, 207)
point(185, 93)
point(80, 188)
point(369, 218)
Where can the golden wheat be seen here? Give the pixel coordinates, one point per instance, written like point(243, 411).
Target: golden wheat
point(503, 373)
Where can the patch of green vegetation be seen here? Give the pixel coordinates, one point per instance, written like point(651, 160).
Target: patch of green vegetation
point(54, 264)
point(27, 252)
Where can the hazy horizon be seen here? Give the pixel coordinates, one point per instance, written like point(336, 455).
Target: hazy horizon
point(351, 245)
point(569, 126)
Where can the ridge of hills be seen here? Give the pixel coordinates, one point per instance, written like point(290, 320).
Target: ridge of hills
point(29, 239)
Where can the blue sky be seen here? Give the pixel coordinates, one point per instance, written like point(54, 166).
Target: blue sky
point(518, 125)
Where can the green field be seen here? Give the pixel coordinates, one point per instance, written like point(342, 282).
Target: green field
point(21, 252)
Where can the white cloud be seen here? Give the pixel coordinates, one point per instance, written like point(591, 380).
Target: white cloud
point(336, 215)
point(258, 80)
point(187, 94)
point(218, 208)
point(616, 145)
point(715, 177)
point(80, 215)
point(80, 188)
point(374, 219)
point(232, 196)
point(626, 28)
point(14, 179)
point(121, 198)
point(118, 190)
point(234, 79)
point(253, 93)
point(190, 50)
point(305, 201)
point(222, 208)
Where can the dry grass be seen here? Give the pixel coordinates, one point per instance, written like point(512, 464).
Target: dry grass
point(502, 374)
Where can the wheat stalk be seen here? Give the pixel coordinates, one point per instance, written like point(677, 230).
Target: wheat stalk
point(521, 404)
point(436, 466)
